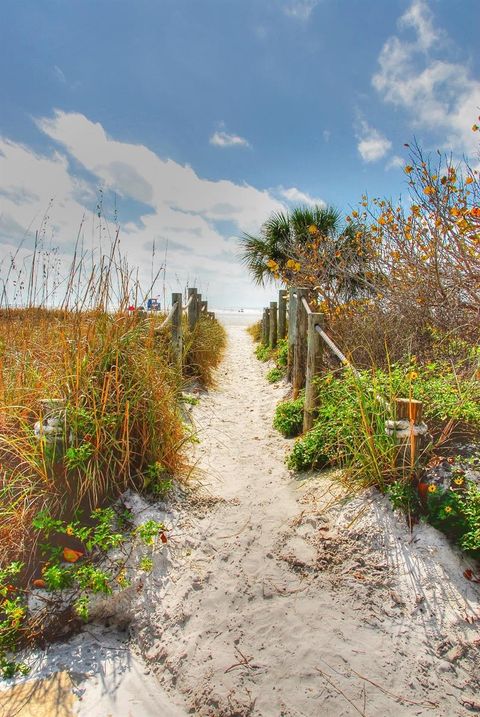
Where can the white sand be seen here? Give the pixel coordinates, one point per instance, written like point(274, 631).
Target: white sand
point(279, 601)
point(275, 598)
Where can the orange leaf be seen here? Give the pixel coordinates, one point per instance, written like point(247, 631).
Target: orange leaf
point(163, 537)
point(71, 556)
point(39, 583)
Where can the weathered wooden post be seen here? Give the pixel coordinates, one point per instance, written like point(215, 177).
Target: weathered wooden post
point(265, 327)
point(177, 339)
point(314, 367)
point(300, 346)
point(192, 311)
point(282, 314)
point(292, 321)
point(273, 324)
point(203, 307)
point(409, 432)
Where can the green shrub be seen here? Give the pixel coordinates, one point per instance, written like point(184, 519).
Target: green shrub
point(349, 429)
point(263, 353)
point(288, 419)
point(282, 353)
point(456, 512)
point(275, 374)
point(404, 496)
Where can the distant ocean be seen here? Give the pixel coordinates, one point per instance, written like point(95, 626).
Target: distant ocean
point(238, 317)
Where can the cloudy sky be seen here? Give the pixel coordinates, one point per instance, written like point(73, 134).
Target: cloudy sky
point(195, 119)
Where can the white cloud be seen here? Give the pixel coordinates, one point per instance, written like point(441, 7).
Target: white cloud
point(180, 207)
point(224, 139)
point(395, 162)
point(301, 9)
point(59, 74)
point(295, 196)
point(372, 145)
point(439, 95)
point(326, 134)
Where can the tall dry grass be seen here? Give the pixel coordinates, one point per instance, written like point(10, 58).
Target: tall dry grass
point(119, 387)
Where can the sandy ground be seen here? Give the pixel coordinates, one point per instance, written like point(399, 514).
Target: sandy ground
point(275, 597)
point(290, 601)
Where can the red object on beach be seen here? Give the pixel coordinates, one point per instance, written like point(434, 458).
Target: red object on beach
point(131, 308)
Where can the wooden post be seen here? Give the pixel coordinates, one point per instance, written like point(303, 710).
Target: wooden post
point(282, 314)
point(273, 324)
point(203, 306)
point(267, 326)
point(192, 311)
point(409, 432)
point(300, 346)
point(314, 367)
point(264, 338)
point(177, 339)
point(292, 322)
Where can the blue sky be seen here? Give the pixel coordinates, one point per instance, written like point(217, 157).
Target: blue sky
point(203, 116)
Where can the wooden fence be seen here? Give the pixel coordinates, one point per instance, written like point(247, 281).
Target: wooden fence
point(306, 341)
point(195, 307)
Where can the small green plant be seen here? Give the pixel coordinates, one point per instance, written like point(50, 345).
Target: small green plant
point(263, 353)
point(404, 496)
point(158, 480)
point(456, 512)
point(149, 531)
point(288, 419)
point(275, 374)
point(282, 353)
point(146, 564)
point(81, 572)
point(76, 458)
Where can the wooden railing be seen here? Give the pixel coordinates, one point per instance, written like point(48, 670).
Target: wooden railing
point(306, 340)
point(195, 307)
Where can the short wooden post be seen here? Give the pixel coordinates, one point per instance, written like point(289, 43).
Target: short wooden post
point(300, 346)
point(273, 325)
point(314, 367)
point(267, 326)
point(292, 321)
point(192, 311)
point(203, 306)
point(177, 339)
point(282, 314)
point(265, 329)
point(409, 432)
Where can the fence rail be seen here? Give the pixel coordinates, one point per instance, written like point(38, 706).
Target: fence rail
point(306, 341)
point(194, 307)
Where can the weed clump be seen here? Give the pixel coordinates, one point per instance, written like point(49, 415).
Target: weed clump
point(288, 419)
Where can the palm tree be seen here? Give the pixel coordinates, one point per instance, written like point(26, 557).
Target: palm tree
point(281, 235)
point(338, 264)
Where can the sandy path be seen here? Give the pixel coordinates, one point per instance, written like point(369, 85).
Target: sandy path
point(276, 602)
point(273, 597)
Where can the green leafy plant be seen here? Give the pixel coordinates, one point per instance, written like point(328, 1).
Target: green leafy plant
point(281, 357)
point(275, 374)
point(158, 480)
point(288, 419)
point(76, 458)
point(263, 353)
point(76, 574)
point(456, 512)
point(404, 496)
